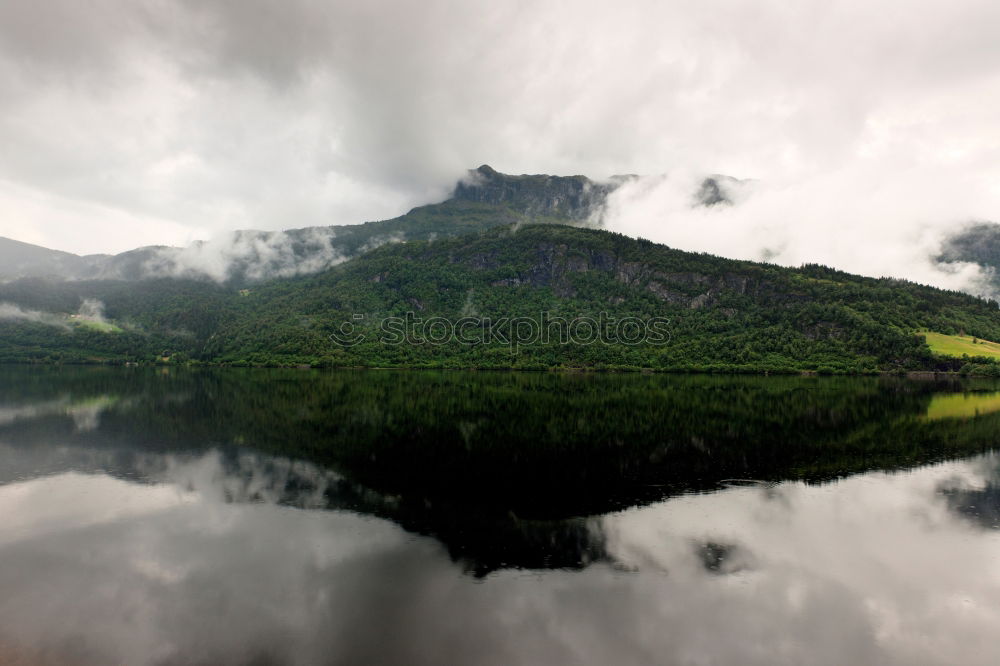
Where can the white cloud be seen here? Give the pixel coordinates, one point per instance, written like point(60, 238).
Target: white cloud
point(253, 255)
point(165, 121)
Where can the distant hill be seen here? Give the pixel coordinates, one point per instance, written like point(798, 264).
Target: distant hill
point(19, 259)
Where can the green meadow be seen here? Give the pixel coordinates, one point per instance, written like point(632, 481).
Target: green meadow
point(99, 326)
point(960, 345)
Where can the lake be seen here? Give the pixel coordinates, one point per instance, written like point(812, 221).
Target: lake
point(172, 516)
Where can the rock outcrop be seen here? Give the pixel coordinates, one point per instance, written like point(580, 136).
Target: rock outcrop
point(573, 197)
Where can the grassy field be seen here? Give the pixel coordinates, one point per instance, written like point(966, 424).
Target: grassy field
point(100, 326)
point(959, 345)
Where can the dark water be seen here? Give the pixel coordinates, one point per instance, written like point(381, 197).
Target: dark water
point(297, 517)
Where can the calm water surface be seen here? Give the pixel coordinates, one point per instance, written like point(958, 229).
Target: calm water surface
point(299, 517)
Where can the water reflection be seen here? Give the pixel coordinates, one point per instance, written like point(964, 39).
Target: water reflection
point(177, 528)
point(877, 568)
point(962, 405)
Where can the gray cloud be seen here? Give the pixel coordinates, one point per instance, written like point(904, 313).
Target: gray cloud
point(163, 122)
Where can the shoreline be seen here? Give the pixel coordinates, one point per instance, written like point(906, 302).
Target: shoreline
point(759, 372)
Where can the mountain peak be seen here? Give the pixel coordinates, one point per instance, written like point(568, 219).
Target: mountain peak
point(535, 195)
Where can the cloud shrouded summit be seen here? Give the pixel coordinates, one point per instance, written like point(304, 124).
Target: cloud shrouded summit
point(165, 121)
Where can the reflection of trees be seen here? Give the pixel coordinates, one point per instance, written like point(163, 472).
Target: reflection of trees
point(499, 465)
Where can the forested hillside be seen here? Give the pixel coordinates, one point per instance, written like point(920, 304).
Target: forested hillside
point(709, 313)
point(508, 273)
point(722, 314)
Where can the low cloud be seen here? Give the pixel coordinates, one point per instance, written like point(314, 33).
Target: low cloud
point(11, 312)
point(873, 219)
point(251, 255)
point(92, 309)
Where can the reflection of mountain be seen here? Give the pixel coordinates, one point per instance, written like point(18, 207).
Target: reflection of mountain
point(978, 502)
point(482, 546)
point(980, 505)
point(155, 574)
point(498, 467)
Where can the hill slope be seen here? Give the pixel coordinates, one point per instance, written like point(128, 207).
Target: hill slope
point(722, 314)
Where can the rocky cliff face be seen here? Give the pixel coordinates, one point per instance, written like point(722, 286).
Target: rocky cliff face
point(569, 197)
point(572, 197)
point(553, 264)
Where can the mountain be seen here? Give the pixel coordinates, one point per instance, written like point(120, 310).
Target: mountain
point(720, 313)
point(509, 271)
point(484, 199)
point(603, 299)
point(19, 259)
point(717, 189)
point(570, 197)
point(978, 243)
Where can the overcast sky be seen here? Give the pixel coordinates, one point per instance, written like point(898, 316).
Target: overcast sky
point(133, 122)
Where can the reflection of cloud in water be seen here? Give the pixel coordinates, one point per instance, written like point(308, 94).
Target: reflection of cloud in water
point(85, 413)
point(13, 413)
point(74, 501)
point(244, 477)
point(884, 549)
point(871, 569)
